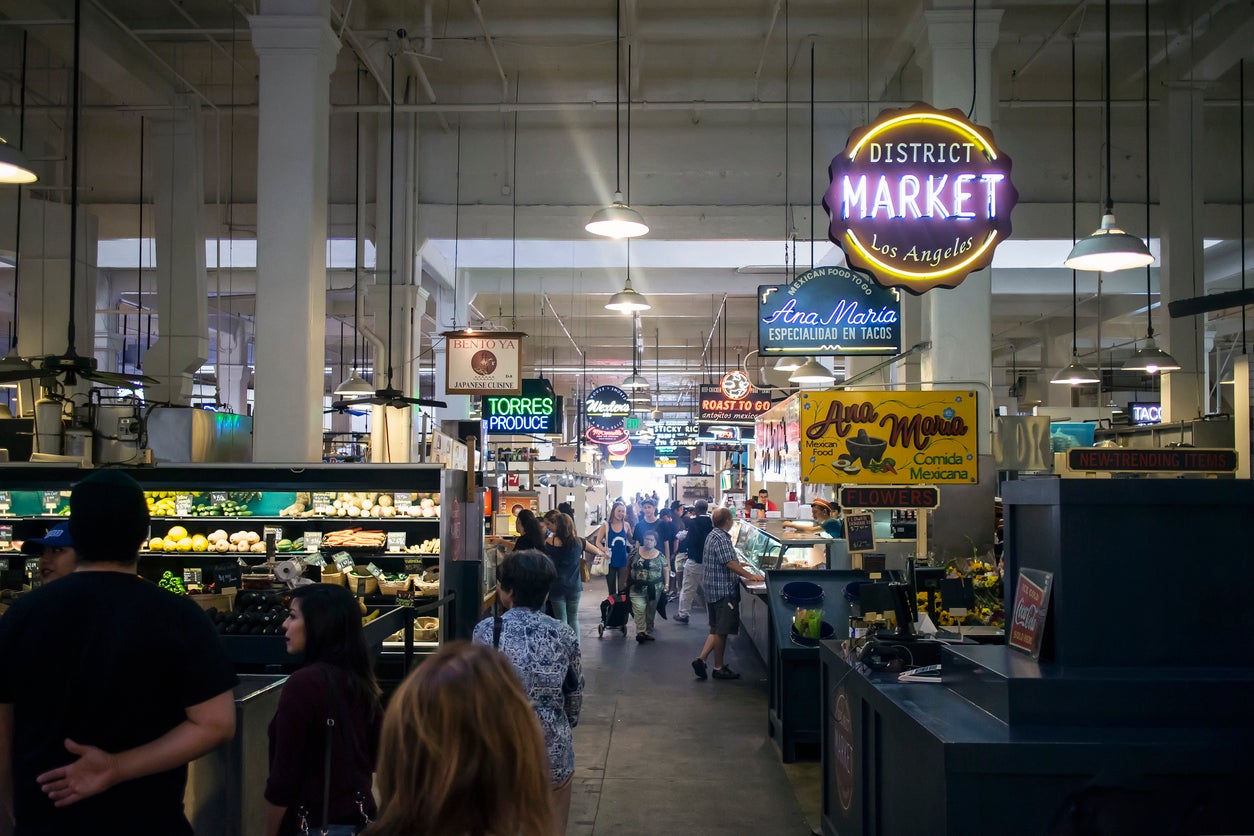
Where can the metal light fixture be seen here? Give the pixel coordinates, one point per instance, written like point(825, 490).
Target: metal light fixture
point(15, 169)
point(618, 220)
point(1109, 249)
point(787, 364)
point(635, 380)
point(356, 386)
point(1076, 373)
point(627, 300)
point(1149, 358)
point(812, 373)
point(656, 414)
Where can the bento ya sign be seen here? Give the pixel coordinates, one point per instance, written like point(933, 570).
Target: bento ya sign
point(920, 198)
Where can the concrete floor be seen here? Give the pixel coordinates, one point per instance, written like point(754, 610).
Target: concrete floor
point(657, 750)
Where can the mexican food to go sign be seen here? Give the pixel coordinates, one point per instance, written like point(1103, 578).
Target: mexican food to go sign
point(889, 438)
point(920, 198)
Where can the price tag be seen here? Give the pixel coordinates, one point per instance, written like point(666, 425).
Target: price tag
point(403, 500)
point(315, 560)
point(396, 541)
point(344, 560)
point(32, 571)
point(183, 504)
point(405, 598)
point(6, 536)
point(313, 540)
point(217, 497)
point(376, 571)
point(6, 501)
point(51, 500)
point(322, 503)
point(413, 566)
point(272, 530)
point(192, 575)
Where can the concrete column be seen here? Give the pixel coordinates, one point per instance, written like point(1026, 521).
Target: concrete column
point(297, 50)
point(1180, 275)
point(958, 322)
point(231, 368)
point(182, 346)
point(44, 295)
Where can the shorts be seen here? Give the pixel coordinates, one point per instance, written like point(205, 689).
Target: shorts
point(725, 616)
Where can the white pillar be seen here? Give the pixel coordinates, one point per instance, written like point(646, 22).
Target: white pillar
point(958, 321)
point(182, 346)
point(1181, 273)
point(297, 49)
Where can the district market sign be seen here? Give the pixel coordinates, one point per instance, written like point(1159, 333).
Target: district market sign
point(829, 311)
point(920, 198)
point(889, 438)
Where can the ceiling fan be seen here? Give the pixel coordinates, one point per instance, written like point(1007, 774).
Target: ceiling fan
point(389, 395)
point(70, 365)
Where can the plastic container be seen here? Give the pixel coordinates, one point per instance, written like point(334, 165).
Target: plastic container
point(1081, 432)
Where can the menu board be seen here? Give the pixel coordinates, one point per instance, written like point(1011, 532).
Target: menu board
point(860, 532)
point(1027, 629)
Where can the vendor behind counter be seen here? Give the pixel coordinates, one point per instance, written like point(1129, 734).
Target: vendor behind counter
point(826, 518)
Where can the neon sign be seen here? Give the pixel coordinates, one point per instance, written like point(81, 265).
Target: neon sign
point(920, 198)
point(536, 410)
point(829, 311)
point(607, 408)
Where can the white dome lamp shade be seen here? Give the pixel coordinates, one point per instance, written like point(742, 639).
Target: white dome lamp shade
point(787, 364)
point(1075, 374)
point(355, 386)
point(618, 220)
point(627, 300)
point(1109, 250)
point(1151, 359)
point(812, 373)
point(15, 169)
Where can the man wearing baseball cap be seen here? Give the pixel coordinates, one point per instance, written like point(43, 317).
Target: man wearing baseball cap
point(826, 518)
point(55, 550)
point(119, 684)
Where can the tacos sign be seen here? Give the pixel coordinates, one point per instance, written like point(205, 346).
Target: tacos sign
point(889, 438)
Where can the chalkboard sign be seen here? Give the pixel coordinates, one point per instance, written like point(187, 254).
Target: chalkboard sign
point(860, 532)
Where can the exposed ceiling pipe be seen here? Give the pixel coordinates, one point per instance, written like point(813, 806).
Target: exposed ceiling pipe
point(713, 329)
point(359, 49)
point(204, 33)
point(496, 59)
point(546, 301)
point(1015, 75)
point(416, 65)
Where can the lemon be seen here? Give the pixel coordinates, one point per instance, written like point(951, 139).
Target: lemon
point(200, 543)
point(177, 533)
point(156, 544)
point(170, 545)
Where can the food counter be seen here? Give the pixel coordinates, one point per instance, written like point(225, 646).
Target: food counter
point(767, 544)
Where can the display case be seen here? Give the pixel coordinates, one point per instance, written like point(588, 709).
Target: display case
point(766, 544)
point(215, 528)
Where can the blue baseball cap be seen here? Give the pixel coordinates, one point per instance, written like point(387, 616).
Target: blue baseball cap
point(58, 537)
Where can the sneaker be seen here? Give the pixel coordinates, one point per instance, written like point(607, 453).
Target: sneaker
point(725, 672)
point(698, 667)
point(680, 619)
point(641, 638)
point(649, 637)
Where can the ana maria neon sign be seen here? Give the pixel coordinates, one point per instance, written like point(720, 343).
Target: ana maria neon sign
point(920, 198)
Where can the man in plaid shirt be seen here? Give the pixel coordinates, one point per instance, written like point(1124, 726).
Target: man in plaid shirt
point(722, 591)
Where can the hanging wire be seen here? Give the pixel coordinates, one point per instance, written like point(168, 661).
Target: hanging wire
point(17, 248)
point(513, 248)
point(789, 261)
point(78, 40)
point(356, 222)
point(391, 202)
point(1241, 134)
point(1149, 319)
point(628, 124)
point(139, 268)
point(1075, 289)
point(457, 221)
point(971, 109)
point(618, 107)
point(810, 213)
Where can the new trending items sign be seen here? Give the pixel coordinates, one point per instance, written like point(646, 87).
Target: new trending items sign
point(484, 364)
point(536, 410)
point(920, 198)
point(883, 438)
point(829, 311)
point(607, 409)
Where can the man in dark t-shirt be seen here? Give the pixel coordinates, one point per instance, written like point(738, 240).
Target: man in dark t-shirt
point(694, 544)
point(109, 685)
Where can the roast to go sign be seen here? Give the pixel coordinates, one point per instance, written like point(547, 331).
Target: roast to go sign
point(889, 438)
point(717, 407)
point(829, 311)
point(920, 198)
point(484, 364)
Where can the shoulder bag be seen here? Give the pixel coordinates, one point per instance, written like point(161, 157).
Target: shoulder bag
point(328, 829)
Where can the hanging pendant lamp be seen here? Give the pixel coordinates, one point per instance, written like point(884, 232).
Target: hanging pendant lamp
point(627, 300)
point(1109, 249)
point(812, 373)
point(635, 380)
point(356, 386)
point(1149, 358)
point(1076, 373)
point(618, 220)
point(787, 364)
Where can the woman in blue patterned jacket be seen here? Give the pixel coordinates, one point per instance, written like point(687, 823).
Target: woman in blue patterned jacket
point(545, 654)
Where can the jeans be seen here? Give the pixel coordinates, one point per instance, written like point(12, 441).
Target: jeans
point(643, 610)
point(693, 574)
point(567, 609)
point(616, 580)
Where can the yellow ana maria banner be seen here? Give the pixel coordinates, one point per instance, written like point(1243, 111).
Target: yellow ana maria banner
point(873, 438)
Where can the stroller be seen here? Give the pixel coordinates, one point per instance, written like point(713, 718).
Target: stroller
point(615, 612)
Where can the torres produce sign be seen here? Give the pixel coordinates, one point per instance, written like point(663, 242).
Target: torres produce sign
point(607, 408)
point(535, 410)
point(920, 198)
point(732, 402)
point(829, 311)
point(483, 363)
point(889, 438)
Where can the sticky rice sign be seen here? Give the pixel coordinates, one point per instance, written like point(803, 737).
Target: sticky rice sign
point(920, 198)
point(889, 438)
point(484, 364)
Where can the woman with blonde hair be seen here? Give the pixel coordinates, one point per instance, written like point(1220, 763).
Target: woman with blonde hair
point(462, 753)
